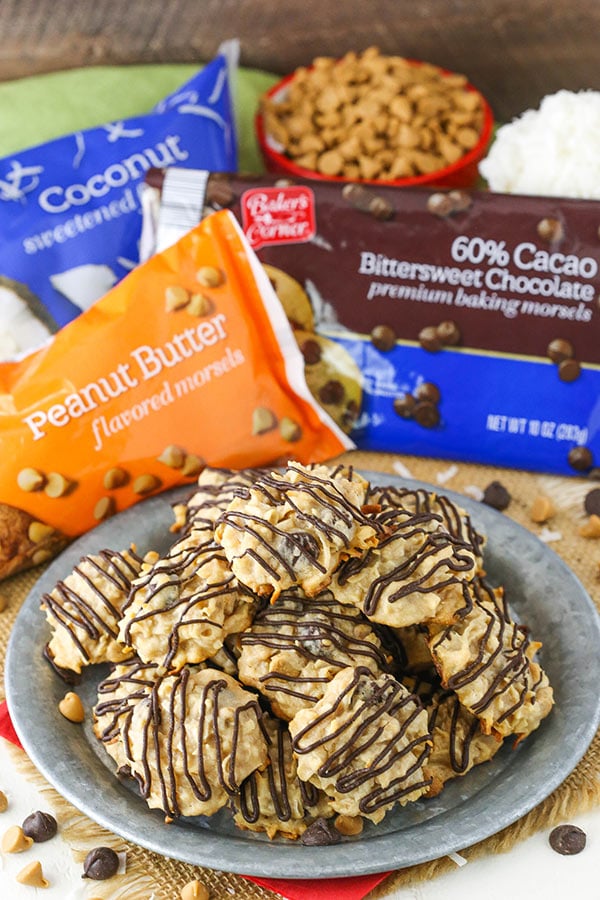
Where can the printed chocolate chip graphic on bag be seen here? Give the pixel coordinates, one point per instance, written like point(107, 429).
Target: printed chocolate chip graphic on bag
point(470, 291)
point(333, 378)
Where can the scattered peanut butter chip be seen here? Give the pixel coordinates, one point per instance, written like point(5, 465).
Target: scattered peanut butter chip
point(3, 802)
point(263, 420)
point(289, 430)
point(348, 825)
point(176, 297)
point(15, 840)
point(115, 477)
point(172, 456)
point(541, 510)
point(194, 890)
point(104, 508)
point(209, 276)
point(30, 479)
point(57, 485)
point(192, 465)
point(38, 531)
point(145, 484)
point(71, 707)
point(33, 875)
point(199, 305)
point(591, 528)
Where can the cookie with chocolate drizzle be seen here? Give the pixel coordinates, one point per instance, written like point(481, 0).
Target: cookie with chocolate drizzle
point(193, 740)
point(365, 743)
point(273, 799)
point(295, 527)
point(84, 610)
point(295, 647)
point(487, 659)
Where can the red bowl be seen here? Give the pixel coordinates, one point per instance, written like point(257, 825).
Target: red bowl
point(464, 173)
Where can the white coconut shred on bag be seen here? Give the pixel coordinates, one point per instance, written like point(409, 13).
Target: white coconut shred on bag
point(551, 151)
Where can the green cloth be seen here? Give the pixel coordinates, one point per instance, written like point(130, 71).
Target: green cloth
point(36, 109)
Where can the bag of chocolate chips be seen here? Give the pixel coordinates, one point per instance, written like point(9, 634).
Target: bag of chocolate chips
point(450, 324)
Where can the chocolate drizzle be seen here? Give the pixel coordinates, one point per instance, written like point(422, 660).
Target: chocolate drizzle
point(107, 576)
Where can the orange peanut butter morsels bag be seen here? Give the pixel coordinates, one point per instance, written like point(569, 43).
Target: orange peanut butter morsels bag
point(189, 361)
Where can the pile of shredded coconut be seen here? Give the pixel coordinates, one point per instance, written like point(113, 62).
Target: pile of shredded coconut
point(552, 151)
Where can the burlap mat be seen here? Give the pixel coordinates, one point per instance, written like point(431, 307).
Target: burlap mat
point(149, 874)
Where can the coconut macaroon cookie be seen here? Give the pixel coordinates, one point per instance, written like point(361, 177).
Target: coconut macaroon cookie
point(364, 744)
point(295, 647)
point(487, 659)
point(400, 582)
point(84, 610)
point(273, 799)
point(295, 527)
point(214, 491)
point(193, 740)
point(184, 606)
point(118, 693)
point(458, 741)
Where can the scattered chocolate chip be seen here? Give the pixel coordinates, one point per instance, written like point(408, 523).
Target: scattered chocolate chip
point(448, 333)
point(40, 826)
point(383, 337)
point(427, 414)
point(550, 230)
point(429, 339)
point(560, 349)
point(569, 370)
point(580, 459)
point(427, 390)
point(591, 502)
point(100, 863)
point(496, 495)
point(311, 351)
point(567, 839)
point(404, 405)
point(320, 833)
point(332, 392)
point(440, 204)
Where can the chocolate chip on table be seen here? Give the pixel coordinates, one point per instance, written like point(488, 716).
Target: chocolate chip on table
point(496, 495)
point(567, 839)
point(569, 370)
point(40, 826)
point(404, 405)
point(426, 414)
point(100, 863)
point(320, 833)
point(580, 458)
point(560, 349)
point(448, 333)
point(429, 339)
point(591, 502)
point(383, 337)
point(427, 390)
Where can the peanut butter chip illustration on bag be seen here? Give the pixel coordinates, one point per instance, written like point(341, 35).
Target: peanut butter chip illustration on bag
point(180, 384)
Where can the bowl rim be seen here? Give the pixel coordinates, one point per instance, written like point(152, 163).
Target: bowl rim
point(287, 165)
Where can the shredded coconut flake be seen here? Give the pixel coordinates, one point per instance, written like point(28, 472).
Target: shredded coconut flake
point(401, 469)
point(446, 475)
point(473, 491)
point(458, 859)
point(551, 151)
point(548, 536)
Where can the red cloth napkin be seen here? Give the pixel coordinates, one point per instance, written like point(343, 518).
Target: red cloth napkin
point(302, 889)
